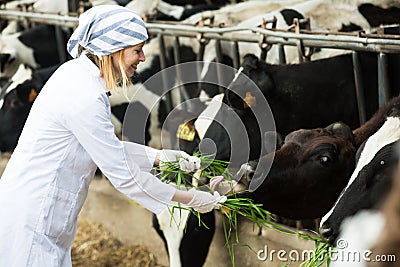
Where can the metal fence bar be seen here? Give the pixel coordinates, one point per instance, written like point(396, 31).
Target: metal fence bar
point(219, 59)
point(73, 5)
point(163, 65)
point(177, 60)
point(383, 79)
point(281, 53)
point(235, 55)
point(359, 88)
point(60, 40)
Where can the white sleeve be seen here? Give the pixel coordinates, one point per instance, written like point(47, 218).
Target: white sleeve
point(143, 155)
point(126, 165)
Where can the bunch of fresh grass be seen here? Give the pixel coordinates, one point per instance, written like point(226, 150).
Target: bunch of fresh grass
point(209, 167)
point(235, 206)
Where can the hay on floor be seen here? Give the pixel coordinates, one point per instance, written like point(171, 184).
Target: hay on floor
point(94, 246)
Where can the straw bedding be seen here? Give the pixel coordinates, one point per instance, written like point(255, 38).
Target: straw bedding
point(94, 246)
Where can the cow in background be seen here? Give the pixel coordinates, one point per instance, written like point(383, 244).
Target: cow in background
point(17, 103)
point(35, 47)
point(162, 10)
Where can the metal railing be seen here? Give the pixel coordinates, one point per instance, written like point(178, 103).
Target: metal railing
point(379, 43)
point(358, 42)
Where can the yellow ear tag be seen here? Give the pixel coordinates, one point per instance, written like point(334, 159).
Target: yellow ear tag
point(249, 100)
point(186, 132)
point(32, 95)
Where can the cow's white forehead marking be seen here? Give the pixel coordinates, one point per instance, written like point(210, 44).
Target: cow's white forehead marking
point(23, 73)
point(205, 119)
point(237, 74)
point(388, 133)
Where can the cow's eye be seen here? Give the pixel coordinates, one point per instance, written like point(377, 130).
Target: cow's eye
point(324, 160)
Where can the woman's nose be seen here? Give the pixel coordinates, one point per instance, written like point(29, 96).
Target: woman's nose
point(142, 57)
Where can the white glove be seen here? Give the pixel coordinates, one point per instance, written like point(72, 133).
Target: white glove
point(222, 186)
point(187, 163)
point(205, 201)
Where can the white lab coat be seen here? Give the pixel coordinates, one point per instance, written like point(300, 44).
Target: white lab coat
point(68, 132)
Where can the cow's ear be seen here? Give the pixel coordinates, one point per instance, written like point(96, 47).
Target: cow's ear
point(342, 129)
point(250, 61)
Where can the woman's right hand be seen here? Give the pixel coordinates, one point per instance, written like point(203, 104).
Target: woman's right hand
point(204, 201)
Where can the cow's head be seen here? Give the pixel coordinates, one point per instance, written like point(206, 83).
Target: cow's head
point(307, 174)
point(370, 181)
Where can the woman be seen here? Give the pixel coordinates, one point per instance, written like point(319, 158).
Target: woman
point(68, 133)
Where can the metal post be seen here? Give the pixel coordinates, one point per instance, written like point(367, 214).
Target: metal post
point(168, 97)
point(235, 55)
point(383, 79)
point(73, 6)
point(163, 65)
point(359, 88)
point(177, 60)
point(281, 53)
point(60, 40)
point(199, 65)
point(219, 59)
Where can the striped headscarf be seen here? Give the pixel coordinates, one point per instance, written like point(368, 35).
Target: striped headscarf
point(105, 29)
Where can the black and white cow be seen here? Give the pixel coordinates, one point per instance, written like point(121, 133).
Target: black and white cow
point(35, 47)
point(371, 179)
point(17, 103)
point(370, 237)
point(388, 240)
point(186, 240)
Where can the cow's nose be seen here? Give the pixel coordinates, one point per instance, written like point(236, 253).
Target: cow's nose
point(327, 233)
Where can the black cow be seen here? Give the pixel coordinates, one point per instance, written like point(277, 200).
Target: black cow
point(314, 93)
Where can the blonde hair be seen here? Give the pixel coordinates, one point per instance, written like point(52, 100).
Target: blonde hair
point(114, 78)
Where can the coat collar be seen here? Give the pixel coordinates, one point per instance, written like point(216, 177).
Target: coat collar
point(94, 71)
